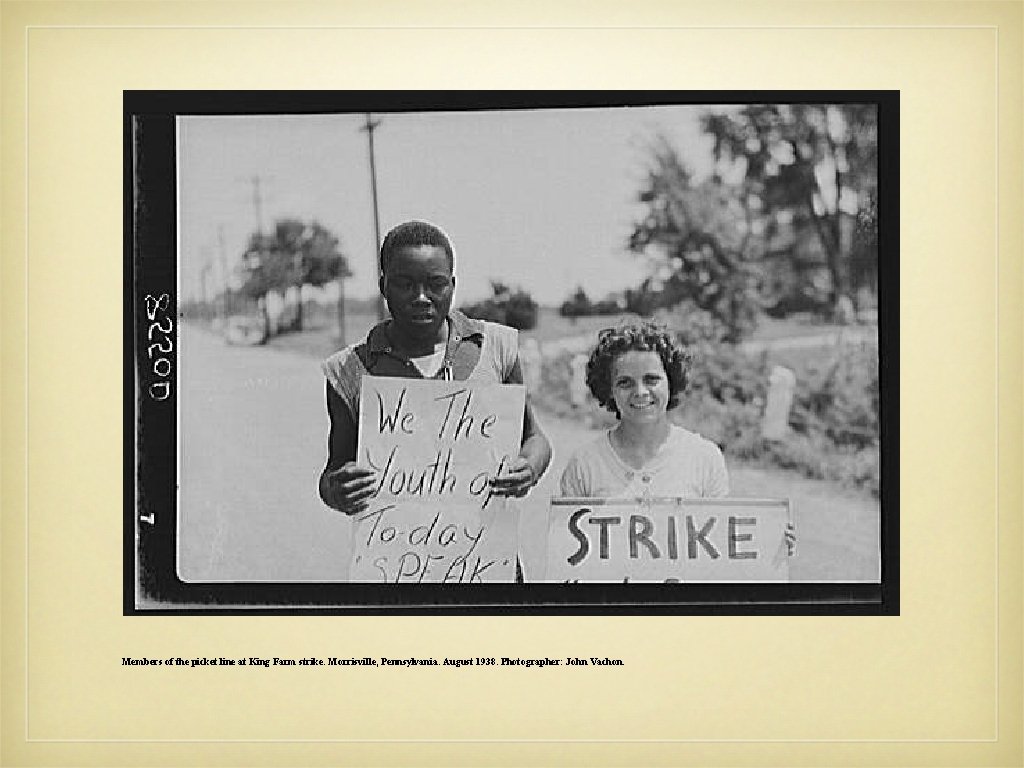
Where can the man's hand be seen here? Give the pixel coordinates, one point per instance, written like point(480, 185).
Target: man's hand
point(349, 487)
point(514, 480)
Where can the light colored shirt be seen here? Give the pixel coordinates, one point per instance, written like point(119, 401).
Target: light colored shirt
point(686, 465)
point(430, 364)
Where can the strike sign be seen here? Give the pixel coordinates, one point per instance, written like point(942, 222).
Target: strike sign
point(667, 540)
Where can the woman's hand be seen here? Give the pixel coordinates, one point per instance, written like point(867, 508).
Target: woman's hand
point(349, 487)
point(514, 480)
point(790, 537)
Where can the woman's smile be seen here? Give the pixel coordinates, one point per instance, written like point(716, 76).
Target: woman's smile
point(640, 386)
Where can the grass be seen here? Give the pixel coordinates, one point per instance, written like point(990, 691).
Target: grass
point(551, 326)
point(320, 337)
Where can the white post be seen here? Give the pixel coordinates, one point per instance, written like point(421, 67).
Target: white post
point(578, 386)
point(775, 423)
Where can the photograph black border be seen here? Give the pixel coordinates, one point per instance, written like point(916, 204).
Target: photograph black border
point(150, 582)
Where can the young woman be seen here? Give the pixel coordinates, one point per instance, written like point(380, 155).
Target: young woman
point(638, 373)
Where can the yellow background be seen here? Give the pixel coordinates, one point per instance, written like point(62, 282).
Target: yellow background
point(940, 684)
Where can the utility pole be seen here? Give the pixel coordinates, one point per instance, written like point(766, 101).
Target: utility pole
point(341, 311)
point(225, 277)
point(204, 285)
point(369, 126)
point(257, 202)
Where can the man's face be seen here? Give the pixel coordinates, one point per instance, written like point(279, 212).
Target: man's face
point(418, 285)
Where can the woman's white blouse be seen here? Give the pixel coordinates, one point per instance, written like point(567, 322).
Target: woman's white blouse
point(686, 465)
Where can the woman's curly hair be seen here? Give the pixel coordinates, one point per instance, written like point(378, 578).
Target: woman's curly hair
point(642, 337)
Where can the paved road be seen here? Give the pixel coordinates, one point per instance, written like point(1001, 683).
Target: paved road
point(253, 438)
point(254, 430)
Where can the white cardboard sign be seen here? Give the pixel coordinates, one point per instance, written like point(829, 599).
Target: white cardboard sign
point(667, 540)
point(434, 444)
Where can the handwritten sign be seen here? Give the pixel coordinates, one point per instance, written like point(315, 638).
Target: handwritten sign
point(434, 446)
point(667, 540)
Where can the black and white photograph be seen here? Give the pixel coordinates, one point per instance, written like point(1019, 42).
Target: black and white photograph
point(511, 351)
point(465, 384)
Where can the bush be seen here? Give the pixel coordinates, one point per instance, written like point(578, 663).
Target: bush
point(641, 301)
point(580, 305)
point(577, 305)
point(521, 311)
point(834, 418)
point(606, 307)
point(555, 395)
point(515, 308)
point(841, 401)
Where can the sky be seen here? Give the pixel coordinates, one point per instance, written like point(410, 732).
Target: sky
point(540, 199)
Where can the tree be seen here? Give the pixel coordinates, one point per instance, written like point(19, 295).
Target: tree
point(642, 300)
point(295, 253)
point(577, 305)
point(700, 240)
point(606, 306)
point(864, 262)
point(812, 167)
point(515, 308)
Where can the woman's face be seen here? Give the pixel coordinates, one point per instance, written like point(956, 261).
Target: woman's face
point(418, 285)
point(640, 387)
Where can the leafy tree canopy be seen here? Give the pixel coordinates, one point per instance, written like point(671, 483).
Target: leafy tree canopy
point(787, 219)
point(699, 240)
point(293, 253)
point(810, 167)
